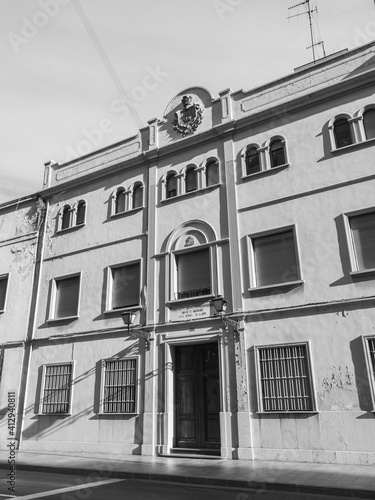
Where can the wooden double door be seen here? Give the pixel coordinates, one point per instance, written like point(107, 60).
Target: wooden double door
point(197, 397)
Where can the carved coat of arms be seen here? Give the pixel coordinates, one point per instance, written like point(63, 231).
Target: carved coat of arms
point(189, 118)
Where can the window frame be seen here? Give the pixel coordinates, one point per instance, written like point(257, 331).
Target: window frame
point(81, 203)
point(53, 293)
point(354, 271)
point(206, 164)
point(5, 277)
point(369, 366)
point(264, 155)
point(73, 216)
point(251, 253)
point(310, 372)
point(71, 389)
point(332, 136)
point(191, 169)
point(136, 186)
point(136, 385)
point(109, 287)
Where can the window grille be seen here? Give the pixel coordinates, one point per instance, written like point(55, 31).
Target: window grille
point(57, 387)
point(284, 378)
point(371, 346)
point(120, 386)
point(3, 291)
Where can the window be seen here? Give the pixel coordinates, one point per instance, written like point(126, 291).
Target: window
point(212, 173)
point(277, 153)
point(119, 390)
point(81, 213)
point(191, 180)
point(284, 378)
point(125, 286)
point(342, 133)
point(57, 388)
point(252, 161)
point(66, 217)
point(362, 228)
point(193, 274)
point(275, 259)
point(3, 291)
point(369, 345)
point(369, 123)
point(120, 201)
point(65, 301)
point(171, 186)
point(138, 196)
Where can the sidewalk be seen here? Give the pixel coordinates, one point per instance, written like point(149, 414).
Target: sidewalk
point(336, 480)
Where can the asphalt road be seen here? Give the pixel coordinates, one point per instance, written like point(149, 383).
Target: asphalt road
point(35, 485)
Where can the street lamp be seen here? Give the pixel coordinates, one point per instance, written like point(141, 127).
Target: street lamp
point(220, 305)
point(128, 318)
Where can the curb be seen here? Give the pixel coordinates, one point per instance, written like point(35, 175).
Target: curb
point(255, 486)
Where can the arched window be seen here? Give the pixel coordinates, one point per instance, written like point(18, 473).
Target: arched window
point(252, 161)
point(81, 213)
point(277, 153)
point(138, 196)
point(191, 180)
point(171, 186)
point(369, 123)
point(343, 136)
point(66, 217)
point(212, 173)
point(120, 201)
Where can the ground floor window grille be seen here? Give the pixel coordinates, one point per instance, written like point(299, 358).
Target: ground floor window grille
point(120, 386)
point(285, 382)
point(371, 345)
point(57, 388)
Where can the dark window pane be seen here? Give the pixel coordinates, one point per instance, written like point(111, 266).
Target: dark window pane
point(191, 180)
point(171, 187)
point(81, 213)
point(193, 273)
point(275, 259)
point(363, 230)
point(3, 291)
point(277, 154)
point(212, 173)
point(125, 286)
point(369, 123)
point(138, 196)
point(65, 223)
point(120, 202)
point(67, 294)
point(342, 132)
point(252, 161)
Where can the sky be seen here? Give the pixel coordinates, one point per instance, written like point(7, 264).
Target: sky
point(58, 101)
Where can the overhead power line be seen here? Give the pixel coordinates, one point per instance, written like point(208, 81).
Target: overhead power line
point(107, 63)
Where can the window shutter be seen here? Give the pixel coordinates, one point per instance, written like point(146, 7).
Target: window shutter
point(363, 230)
point(3, 291)
point(275, 259)
point(67, 294)
point(125, 286)
point(193, 271)
point(369, 123)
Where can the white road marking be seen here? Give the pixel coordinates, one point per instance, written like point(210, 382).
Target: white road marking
point(8, 496)
point(70, 488)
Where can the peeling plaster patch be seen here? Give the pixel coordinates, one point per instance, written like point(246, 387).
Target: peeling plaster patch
point(343, 314)
point(338, 379)
point(337, 389)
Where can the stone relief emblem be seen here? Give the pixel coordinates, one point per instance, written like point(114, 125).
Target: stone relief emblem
point(189, 241)
point(189, 118)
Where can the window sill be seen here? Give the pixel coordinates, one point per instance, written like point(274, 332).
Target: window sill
point(265, 172)
point(126, 212)
point(288, 412)
point(69, 414)
point(191, 193)
point(189, 300)
point(352, 146)
point(70, 229)
point(122, 309)
point(57, 320)
point(110, 414)
point(365, 272)
point(277, 285)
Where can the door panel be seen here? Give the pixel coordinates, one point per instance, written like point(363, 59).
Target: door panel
point(197, 396)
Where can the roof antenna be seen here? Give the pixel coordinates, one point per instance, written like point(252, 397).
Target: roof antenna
point(309, 11)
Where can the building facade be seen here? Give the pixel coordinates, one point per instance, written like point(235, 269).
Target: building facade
point(207, 286)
